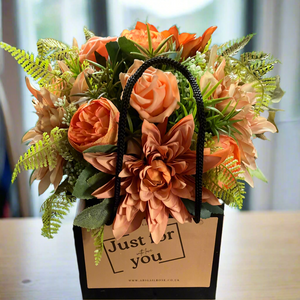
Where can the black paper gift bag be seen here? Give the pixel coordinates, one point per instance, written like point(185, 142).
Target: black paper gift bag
point(184, 265)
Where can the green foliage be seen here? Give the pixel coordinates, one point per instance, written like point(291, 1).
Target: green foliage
point(278, 92)
point(121, 55)
point(251, 71)
point(43, 153)
point(113, 50)
point(265, 88)
point(98, 235)
point(261, 67)
point(206, 209)
point(88, 181)
point(253, 56)
point(159, 51)
point(69, 108)
point(54, 50)
point(232, 47)
point(207, 46)
point(103, 83)
point(216, 121)
point(221, 121)
point(95, 216)
point(47, 46)
point(62, 54)
point(60, 85)
point(37, 67)
point(271, 119)
point(87, 33)
point(258, 174)
point(213, 209)
point(55, 208)
point(74, 65)
point(205, 213)
point(226, 183)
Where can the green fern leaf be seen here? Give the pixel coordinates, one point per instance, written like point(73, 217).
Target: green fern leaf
point(226, 183)
point(43, 153)
point(252, 56)
point(98, 235)
point(63, 54)
point(45, 46)
point(55, 208)
point(232, 47)
point(261, 67)
point(37, 67)
point(264, 87)
point(88, 34)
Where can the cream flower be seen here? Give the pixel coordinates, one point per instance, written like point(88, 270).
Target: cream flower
point(49, 117)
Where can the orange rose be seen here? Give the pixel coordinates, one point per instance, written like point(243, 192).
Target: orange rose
point(155, 95)
point(188, 41)
point(97, 44)
point(140, 35)
point(94, 124)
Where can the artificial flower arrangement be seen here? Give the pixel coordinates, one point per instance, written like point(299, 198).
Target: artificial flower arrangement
point(73, 145)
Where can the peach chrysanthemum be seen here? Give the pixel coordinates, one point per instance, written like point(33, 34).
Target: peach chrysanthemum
point(154, 184)
point(49, 117)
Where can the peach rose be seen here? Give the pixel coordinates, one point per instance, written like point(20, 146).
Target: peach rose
point(94, 124)
point(140, 35)
point(80, 85)
point(97, 44)
point(155, 95)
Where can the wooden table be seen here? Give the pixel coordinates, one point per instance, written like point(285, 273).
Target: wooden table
point(260, 259)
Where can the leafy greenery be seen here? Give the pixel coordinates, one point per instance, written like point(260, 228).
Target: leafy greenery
point(206, 209)
point(102, 83)
point(86, 183)
point(37, 67)
point(214, 209)
point(60, 85)
point(43, 153)
point(226, 183)
point(87, 33)
point(252, 71)
point(55, 208)
point(232, 47)
point(159, 51)
point(95, 216)
point(216, 121)
point(62, 54)
point(47, 46)
point(98, 235)
point(74, 65)
point(258, 174)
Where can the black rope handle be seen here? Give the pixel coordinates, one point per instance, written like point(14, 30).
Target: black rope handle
point(123, 119)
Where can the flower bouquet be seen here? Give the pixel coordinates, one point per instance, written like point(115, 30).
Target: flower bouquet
point(150, 157)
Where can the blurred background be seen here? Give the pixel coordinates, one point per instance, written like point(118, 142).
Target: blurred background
point(276, 22)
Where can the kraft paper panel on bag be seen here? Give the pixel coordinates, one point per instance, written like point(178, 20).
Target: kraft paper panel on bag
point(181, 259)
point(183, 265)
